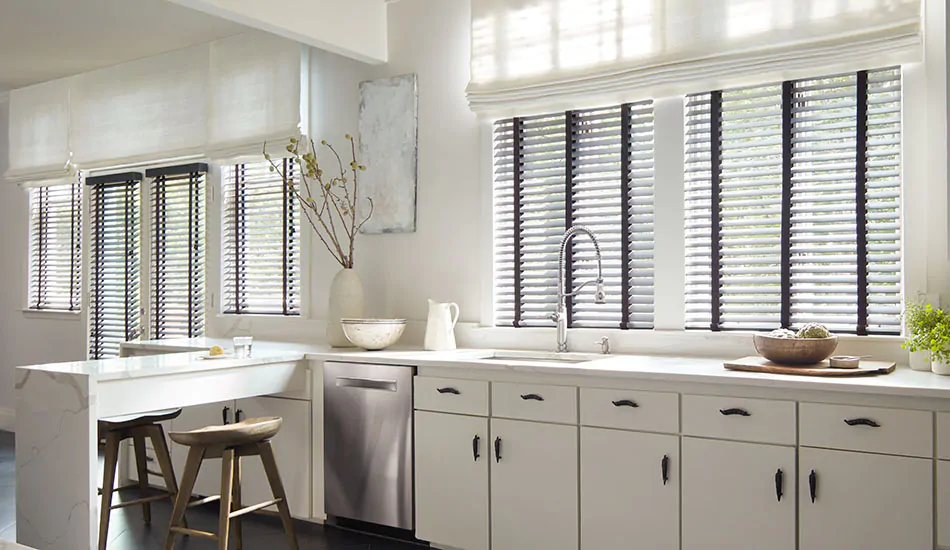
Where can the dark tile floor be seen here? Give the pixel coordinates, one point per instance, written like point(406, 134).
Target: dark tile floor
point(128, 532)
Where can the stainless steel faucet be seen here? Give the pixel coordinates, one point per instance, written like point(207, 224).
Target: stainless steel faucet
point(560, 316)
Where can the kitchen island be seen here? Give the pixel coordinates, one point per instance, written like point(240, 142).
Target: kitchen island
point(58, 406)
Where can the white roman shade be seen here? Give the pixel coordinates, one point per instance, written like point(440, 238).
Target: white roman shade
point(145, 110)
point(259, 86)
point(39, 135)
point(539, 52)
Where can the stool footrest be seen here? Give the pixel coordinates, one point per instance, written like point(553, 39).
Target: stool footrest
point(193, 532)
point(138, 501)
point(203, 501)
point(254, 508)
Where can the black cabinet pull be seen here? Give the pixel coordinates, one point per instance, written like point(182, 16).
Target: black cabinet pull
point(813, 485)
point(734, 412)
point(625, 403)
point(497, 449)
point(861, 422)
point(238, 414)
point(779, 479)
point(475, 441)
point(224, 415)
point(453, 391)
point(665, 468)
point(531, 397)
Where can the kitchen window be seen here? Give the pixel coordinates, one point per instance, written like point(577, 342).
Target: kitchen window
point(177, 291)
point(115, 290)
point(793, 197)
point(261, 241)
point(584, 167)
point(55, 248)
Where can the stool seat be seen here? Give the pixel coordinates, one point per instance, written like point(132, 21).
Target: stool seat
point(136, 420)
point(247, 432)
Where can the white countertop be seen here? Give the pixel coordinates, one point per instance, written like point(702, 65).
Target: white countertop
point(902, 382)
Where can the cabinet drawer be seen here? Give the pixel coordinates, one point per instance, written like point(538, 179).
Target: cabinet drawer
point(888, 431)
point(757, 420)
point(451, 395)
point(630, 410)
point(943, 436)
point(534, 402)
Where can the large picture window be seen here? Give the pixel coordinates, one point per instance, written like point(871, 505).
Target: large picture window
point(793, 205)
point(586, 167)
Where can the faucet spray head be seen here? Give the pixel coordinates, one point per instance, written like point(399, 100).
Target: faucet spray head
point(600, 297)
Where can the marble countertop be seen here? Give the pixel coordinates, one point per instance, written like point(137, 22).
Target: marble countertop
point(182, 357)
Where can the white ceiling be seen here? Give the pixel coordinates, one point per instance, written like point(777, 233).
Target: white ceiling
point(45, 39)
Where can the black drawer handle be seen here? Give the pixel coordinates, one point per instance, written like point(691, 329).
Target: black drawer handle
point(734, 412)
point(531, 397)
point(224, 415)
point(779, 483)
point(497, 449)
point(665, 468)
point(813, 485)
point(238, 415)
point(861, 422)
point(475, 441)
point(625, 403)
point(453, 391)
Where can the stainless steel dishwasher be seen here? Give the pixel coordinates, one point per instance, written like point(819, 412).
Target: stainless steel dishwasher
point(368, 443)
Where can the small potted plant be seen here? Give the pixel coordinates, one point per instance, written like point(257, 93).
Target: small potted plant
point(939, 343)
point(919, 321)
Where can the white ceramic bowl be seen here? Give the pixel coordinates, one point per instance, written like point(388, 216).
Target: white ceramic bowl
point(373, 334)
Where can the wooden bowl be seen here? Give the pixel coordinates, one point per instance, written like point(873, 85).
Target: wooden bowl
point(794, 351)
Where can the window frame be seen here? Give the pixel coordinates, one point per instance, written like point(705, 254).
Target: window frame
point(78, 232)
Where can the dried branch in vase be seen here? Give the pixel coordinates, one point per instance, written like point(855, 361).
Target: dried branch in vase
point(328, 202)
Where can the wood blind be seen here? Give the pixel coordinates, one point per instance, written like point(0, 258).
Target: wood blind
point(177, 292)
point(55, 247)
point(261, 241)
point(585, 167)
point(115, 309)
point(793, 205)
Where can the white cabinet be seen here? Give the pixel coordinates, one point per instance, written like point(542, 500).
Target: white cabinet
point(452, 461)
point(864, 501)
point(737, 496)
point(534, 501)
point(630, 490)
point(943, 503)
point(291, 451)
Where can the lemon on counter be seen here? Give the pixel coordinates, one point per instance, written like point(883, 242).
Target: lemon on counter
point(215, 351)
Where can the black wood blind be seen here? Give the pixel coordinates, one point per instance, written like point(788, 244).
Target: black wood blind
point(55, 247)
point(115, 308)
point(261, 241)
point(793, 205)
point(585, 167)
point(177, 292)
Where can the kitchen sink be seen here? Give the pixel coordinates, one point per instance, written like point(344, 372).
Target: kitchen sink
point(518, 356)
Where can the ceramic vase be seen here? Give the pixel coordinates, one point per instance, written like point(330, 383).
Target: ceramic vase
point(920, 360)
point(345, 301)
point(940, 368)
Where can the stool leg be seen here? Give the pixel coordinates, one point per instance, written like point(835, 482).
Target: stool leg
point(192, 466)
point(277, 488)
point(108, 485)
point(227, 488)
point(157, 434)
point(141, 464)
point(236, 504)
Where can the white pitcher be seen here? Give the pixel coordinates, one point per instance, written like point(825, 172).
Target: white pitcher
point(440, 328)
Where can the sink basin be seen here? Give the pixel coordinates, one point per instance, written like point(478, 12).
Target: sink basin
point(517, 356)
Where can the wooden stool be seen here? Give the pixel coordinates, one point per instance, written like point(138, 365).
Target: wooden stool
point(114, 430)
point(230, 442)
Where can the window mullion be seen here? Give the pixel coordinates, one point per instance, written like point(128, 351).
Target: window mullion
point(625, 266)
point(715, 136)
point(860, 199)
point(786, 232)
point(518, 146)
point(570, 123)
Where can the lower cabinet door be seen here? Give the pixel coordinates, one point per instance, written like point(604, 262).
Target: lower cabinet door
point(864, 501)
point(291, 451)
point(943, 503)
point(452, 454)
point(630, 490)
point(534, 497)
point(192, 418)
point(738, 496)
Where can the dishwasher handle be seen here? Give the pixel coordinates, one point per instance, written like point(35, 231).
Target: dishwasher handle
point(366, 383)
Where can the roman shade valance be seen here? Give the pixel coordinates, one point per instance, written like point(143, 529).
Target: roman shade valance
point(39, 135)
point(540, 52)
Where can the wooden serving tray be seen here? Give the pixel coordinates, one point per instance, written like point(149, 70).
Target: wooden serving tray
point(756, 363)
